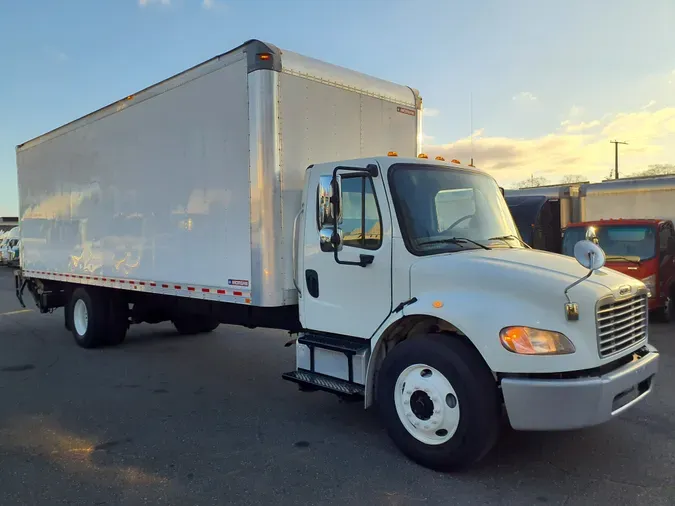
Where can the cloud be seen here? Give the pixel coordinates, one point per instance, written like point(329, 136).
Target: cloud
point(580, 127)
point(575, 111)
point(430, 113)
point(580, 148)
point(211, 5)
point(145, 3)
point(524, 96)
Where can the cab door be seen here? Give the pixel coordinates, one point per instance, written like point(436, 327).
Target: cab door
point(341, 297)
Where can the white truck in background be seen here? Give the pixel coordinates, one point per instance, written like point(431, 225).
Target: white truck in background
point(404, 278)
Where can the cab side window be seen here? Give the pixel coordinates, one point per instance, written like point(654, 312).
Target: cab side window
point(361, 219)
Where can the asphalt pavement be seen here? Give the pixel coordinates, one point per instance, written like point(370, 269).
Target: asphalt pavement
point(166, 419)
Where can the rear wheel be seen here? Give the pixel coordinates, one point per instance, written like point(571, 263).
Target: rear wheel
point(439, 402)
point(190, 325)
point(96, 318)
point(86, 318)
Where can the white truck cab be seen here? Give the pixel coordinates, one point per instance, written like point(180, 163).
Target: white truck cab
point(422, 297)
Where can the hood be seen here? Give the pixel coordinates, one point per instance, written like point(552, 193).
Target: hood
point(514, 269)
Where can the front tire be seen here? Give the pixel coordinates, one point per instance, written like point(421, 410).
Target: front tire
point(439, 402)
point(666, 314)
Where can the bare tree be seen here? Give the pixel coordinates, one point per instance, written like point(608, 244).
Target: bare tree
point(532, 182)
point(572, 178)
point(659, 169)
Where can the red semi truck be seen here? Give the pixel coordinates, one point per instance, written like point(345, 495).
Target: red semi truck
point(632, 221)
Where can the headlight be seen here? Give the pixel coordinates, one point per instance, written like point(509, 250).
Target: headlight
point(529, 341)
point(650, 283)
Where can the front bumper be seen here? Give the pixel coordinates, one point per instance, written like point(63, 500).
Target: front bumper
point(563, 404)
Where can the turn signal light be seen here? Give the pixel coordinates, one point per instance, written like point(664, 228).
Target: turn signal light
point(264, 56)
point(529, 341)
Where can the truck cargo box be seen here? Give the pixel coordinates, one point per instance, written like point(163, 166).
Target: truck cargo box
point(191, 186)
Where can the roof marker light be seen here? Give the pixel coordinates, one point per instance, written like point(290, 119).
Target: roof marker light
point(422, 155)
point(440, 158)
point(392, 153)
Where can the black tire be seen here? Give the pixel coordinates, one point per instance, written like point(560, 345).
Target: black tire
point(94, 333)
point(191, 325)
point(118, 320)
point(665, 314)
point(477, 396)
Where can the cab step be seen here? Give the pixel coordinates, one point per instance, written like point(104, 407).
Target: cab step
point(312, 381)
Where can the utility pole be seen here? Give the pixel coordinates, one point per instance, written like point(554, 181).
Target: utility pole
point(616, 157)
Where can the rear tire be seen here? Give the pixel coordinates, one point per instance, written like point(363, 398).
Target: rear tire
point(96, 318)
point(439, 402)
point(191, 325)
point(87, 318)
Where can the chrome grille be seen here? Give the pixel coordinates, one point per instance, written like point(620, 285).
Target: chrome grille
point(621, 324)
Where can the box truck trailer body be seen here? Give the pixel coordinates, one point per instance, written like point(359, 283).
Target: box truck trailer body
point(247, 191)
point(193, 184)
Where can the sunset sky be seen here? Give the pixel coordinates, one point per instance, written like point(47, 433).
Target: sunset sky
point(552, 82)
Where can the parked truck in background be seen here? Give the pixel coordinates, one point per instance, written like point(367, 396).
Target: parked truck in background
point(309, 208)
point(541, 213)
point(632, 221)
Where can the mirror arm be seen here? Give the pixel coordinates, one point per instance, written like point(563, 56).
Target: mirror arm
point(580, 280)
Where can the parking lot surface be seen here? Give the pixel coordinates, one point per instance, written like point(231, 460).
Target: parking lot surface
point(166, 419)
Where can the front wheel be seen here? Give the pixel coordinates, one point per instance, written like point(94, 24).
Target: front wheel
point(439, 401)
point(665, 314)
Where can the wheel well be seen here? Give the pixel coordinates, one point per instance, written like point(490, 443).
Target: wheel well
point(399, 331)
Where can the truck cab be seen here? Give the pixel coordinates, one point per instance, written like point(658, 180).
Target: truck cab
point(417, 293)
point(643, 249)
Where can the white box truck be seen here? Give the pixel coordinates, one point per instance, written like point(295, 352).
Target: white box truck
point(262, 189)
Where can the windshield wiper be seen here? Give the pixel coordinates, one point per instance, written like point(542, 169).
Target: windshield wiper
point(505, 237)
point(621, 257)
point(453, 240)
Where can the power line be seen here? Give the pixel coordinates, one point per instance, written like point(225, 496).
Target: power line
point(616, 157)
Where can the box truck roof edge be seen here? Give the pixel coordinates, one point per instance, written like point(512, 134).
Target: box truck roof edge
point(260, 56)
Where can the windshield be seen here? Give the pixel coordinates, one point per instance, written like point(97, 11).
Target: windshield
point(620, 243)
point(436, 205)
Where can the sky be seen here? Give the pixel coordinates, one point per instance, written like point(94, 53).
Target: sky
point(526, 87)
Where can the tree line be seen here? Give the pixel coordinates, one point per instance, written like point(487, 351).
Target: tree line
point(661, 169)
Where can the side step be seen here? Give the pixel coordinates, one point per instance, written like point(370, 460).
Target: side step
point(313, 381)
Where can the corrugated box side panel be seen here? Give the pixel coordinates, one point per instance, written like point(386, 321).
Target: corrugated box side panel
point(157, 191)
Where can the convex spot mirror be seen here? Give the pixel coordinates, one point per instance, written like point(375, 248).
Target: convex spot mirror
point(589, 255)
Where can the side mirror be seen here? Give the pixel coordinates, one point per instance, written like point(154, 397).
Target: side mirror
point(589, 255)
point(329, 214)
point(591, 235)
point(670, 245)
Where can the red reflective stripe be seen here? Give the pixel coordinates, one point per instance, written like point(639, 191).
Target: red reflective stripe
point(177, 287)
point(221, 292)
point(165, 286)
point(153, 284)
point(142, 283)
point(132, 282)
point(191, 288)
point(238, 293)
point(206, 290)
